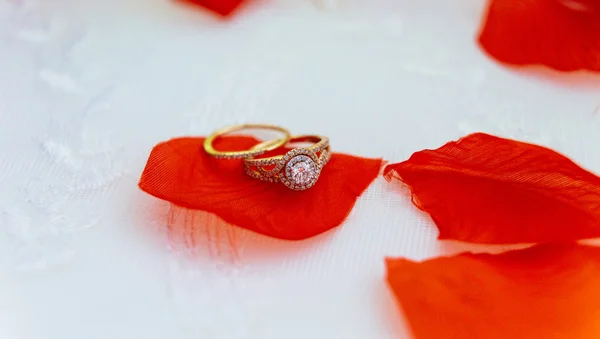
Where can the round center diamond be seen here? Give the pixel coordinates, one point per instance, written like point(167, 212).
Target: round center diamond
point(301, 170)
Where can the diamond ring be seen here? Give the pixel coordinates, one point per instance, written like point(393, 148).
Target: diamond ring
point(298, 169)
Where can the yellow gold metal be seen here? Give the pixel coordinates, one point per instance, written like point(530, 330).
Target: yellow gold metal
point(318, 141)
point(254, 151)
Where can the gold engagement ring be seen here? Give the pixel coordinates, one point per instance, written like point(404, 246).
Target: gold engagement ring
point(298, 169)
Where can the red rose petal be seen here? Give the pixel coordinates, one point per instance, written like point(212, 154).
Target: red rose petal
point(181, 172)
point(561, 34)
point(546, 291)
point(485, 189)
point(222, 7)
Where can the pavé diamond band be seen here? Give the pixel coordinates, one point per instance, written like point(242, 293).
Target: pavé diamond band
point(255, 151)
point(298, 169)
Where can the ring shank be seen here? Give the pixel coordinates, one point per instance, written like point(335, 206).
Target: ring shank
point(320, 143)
point(254, 151)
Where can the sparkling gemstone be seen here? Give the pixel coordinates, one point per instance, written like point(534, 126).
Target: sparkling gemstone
point(301, 170)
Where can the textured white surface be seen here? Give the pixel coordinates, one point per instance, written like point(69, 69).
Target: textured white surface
point(87, 87)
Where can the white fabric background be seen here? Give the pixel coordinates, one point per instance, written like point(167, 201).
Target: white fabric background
point(87, 88)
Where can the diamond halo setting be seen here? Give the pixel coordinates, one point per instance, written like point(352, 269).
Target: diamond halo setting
point(302, 169)
point(298, 169)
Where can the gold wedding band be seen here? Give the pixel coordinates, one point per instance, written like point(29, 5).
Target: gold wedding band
point(255, 151)
point(298, 169)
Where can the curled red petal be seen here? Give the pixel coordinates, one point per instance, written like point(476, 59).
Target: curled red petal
point(545, 291)
point(180, 172)
point(561, 34)
point(221, 7)
point(485, 189)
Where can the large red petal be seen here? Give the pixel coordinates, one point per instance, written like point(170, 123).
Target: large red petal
point(181, 172)
point(486, 189)
point(561, 34)
point(546, 291)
